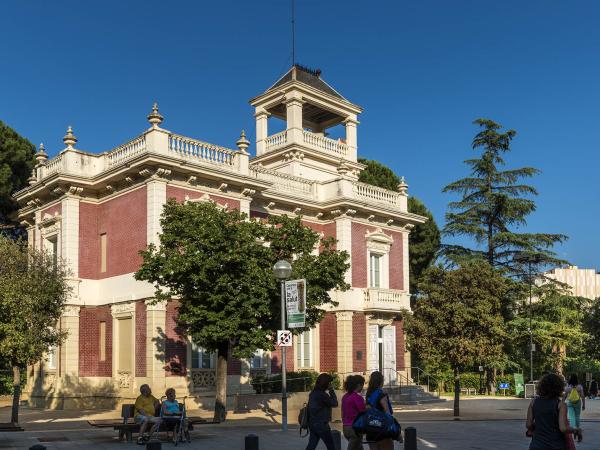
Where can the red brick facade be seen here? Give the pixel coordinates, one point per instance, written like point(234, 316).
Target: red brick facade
point(359, 342)
point(396, 261)
point(140, 339)
point(400, 344)
point(175, 343)
point(89, 342)
point(359, 257)
point(123, 219)
point(276, 360)
point(179, 194)
point(328, 342)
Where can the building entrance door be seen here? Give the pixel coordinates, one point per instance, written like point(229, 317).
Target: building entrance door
point(382, 352)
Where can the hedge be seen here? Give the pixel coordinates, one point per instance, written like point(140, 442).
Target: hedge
point(296, 382)
point(471, 380)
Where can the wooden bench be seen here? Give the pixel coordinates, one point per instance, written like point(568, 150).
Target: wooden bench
point(127, 427)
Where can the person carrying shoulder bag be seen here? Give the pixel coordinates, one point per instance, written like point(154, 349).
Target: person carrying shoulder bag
point(320, 401)
point(378, 399)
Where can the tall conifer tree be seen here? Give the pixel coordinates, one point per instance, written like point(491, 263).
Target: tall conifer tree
point(494, 204)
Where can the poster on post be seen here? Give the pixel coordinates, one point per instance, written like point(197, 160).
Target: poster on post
point(295, 301)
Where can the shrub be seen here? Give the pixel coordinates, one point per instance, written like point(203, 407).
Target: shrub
point(301, 381)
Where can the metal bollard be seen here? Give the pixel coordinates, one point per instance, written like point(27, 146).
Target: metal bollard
point(251, 442)
point(337, 439)
point(154, 445)
point(410, 438)
point(37, 447)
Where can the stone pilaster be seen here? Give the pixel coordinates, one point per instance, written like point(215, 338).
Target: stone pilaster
point(344, 342)
point(343, 234)
point(70, 234)
point(156, 319)
point(69, 350)
point(155, 200)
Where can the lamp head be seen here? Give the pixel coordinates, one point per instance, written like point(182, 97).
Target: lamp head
point(282, 269)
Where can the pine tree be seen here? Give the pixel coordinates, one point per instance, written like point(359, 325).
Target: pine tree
point(494, 204)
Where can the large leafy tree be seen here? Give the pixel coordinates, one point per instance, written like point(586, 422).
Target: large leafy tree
point(219, 265)
point(424, 239)
point(457, 321)
point(33, 292)
point(494, 205)
point(16, 162)
point(558, 323)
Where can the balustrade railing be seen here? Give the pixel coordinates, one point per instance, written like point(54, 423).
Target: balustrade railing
point(284, 182)
point(188, 148)
point(126, 151)
point(325, 143)
point(387, 299)
point(276, 140)
point(371, 193)
point(52, 166)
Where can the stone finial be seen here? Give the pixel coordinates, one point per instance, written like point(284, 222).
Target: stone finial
point(343, 169)
point(41, 156)
point(403, 187)
point(155, 118)
point(32, 178)
point(69, 139)
point(243, 143)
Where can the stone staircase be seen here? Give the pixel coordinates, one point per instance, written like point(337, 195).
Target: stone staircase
point(412, 394)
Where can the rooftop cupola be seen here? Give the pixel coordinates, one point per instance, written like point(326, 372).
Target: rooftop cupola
point(309, 106)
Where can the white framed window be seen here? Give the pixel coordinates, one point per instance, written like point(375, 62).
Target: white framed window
point(52, 358)
point(201, 359)
point(259, 360)
point(304, 350)
point(375, 266)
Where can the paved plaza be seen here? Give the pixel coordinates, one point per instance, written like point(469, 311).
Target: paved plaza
point(486, 424)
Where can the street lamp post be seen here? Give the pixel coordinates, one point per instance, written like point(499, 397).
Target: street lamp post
point(282, 271)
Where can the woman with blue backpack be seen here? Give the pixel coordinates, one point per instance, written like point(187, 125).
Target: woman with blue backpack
point(378, 399)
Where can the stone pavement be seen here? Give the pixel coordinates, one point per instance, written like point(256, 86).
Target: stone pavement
point(486, 424)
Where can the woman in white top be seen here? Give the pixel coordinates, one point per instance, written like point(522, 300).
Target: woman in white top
point(575, 401)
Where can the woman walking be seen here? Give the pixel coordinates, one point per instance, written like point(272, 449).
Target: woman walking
point(376, 398)
point(352, 405)
point(547, 422)
point(575, 401)
point(320, 401)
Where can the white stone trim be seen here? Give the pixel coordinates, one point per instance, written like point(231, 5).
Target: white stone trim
point(343, 234)
point(156, 197)
point(70, 234)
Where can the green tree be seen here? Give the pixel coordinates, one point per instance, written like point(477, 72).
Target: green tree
point(33, 291)
point(424, 239)
point(494, 204)
point(558, 327)
point(219, 266)
point(457, 321)
point(16, 162)
point(591, 325)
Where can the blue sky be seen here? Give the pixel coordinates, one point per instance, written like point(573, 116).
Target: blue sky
point(422, 71)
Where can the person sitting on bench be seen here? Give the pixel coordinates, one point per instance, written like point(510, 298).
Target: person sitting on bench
point(146, 406)
point(170, 410)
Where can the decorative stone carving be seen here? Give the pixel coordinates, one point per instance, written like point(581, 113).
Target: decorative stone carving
point(350, 212)
point(122, 309)
point(247, 192)
point(297, 211)
point(110, 189)
point(203, 378)
point(71, 311)
point(162, 173)
point(270, 205)
point(389, 221)
point(156, 305)
point(319, 215)
point(223, 187)
point(129, 180)
point(75, 190)
point(343, 315)
point(192, 179)
point(145, 173)
point(371, 218)
point(379, 241)
point(124, 379)
point(58, 191)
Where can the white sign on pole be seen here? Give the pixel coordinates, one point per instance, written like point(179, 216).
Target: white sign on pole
point(295, 300)
point(284, 338)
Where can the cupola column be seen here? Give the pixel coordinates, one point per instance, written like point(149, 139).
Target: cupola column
point(294, 117)
point(351, 139)
point(262, 130)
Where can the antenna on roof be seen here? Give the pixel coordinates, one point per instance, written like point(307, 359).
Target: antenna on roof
point(293, 33)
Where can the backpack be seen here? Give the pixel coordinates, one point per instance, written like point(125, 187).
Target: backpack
point(574, 395)
point(303, 420)
point(375, 423)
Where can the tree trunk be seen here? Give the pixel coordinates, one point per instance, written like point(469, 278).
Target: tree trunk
point(491, 375)
point(14, 416)
point(456, 393)
point(221, 394)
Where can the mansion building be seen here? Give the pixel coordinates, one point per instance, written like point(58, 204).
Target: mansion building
point(96, 211)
